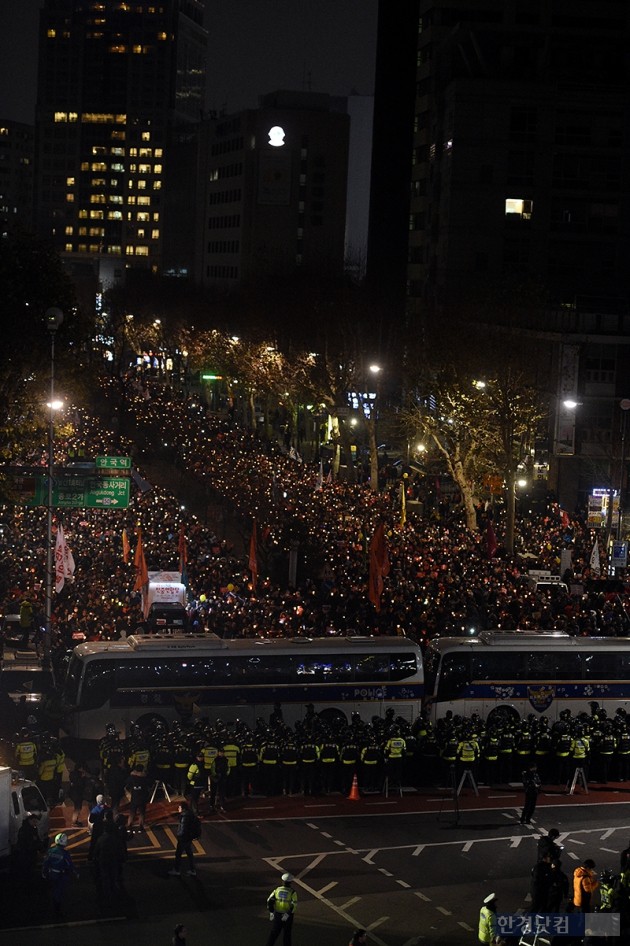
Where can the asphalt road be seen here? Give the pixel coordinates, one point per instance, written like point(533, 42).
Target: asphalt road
point(409, 878)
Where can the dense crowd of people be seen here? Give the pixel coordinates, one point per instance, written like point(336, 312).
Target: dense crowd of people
point(442, 577)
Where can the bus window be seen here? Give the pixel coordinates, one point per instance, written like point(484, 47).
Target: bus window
point(269, 668)
point(373, 667)
point(403, 666)
point(601, 666)
point(554, 665)
point(334, 669)
point(454, 676)
point(497, 667)
point(98, 683)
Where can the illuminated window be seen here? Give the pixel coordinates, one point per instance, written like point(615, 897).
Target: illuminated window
point(516, 206)
point(97, 198)
point(70, 182)
point(146, 136)
point(141, 234)
point(142, 216)
point(115, 199)
point(157, 169)
point(115, 250)
point(83, 214)
point(158, 152)
point(137, 50)
point(94, 247)
point(118, 167)
point(146, 152)
point(117, 49)
point(114, 215)
point(85, 166)
point(144, 201)
point(145, 168)
point(133, 152)
point(51, 35)
point(73, 117)
point(82, 247)
point(156, 218)
point(129, 250)
point(68, 247)
point(96, 231)
point(157, 185)
point(98, 149)
point(98, 182)
point(61, 116)
point(131, 199)
point(97, 214)
point(82, 231)
point(162, 36)
point(155, 234)
point(142, 251)
point(142, 185)
point(69, 231)
point(70, 198)
point(119, 151)
point(117, 135)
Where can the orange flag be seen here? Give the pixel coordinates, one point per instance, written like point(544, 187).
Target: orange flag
point(126, 549)
point(379, 565)
point(253, 555)
point(142, 572)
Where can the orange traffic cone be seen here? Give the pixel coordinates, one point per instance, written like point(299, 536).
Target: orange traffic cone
point(354, 791)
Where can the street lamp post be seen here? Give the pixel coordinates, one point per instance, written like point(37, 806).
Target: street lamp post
point(54, 318)
point(624, 404)
point(371, 422)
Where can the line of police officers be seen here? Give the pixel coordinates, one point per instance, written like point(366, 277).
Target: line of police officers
point(318, 756)
point(38, 755)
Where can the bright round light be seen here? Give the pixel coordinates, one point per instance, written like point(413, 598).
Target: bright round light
point(521, 484)
point(570, 404)
point(55, 405)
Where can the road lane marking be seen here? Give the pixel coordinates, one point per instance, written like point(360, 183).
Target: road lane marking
point(465, 926)
point(370, 855)
point(608, 850)
point(328, 887)
point(340, 843)
point(403, 883)
point(309, 824)
point(422, 896)
point(387, 873)
point(326, 835)
point(502, 796)
point(326, 805)
point(607, 834)
point(574, 856)
point(515, 842)
point(350, 902)
point(444, 911)
point(379, 922)
point(169, 834)
point(152, 838)
point(467, 846)
point(418, 850)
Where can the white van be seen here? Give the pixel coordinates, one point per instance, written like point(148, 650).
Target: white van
point(26, 799)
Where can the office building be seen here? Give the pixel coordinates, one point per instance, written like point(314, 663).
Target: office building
point(16, 176)
point(115, 80)
point(273, 191)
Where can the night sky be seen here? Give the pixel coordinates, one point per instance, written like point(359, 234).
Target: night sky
point(255, 46)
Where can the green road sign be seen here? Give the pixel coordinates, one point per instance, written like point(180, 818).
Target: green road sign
point(113, 463)
point(79, 492)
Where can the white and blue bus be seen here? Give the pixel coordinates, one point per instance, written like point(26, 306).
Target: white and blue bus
point(515, 673)
point(147, 678)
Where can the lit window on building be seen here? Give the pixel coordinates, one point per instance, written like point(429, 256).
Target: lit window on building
point(51, 34)
point(516, 206)
point(69, 231)
point(70, 181)
point(68, 247)
point(70, 198)
point(155, 234)
point(157, 185)
point(146, 136)
point(157, 169)
point(144, 201)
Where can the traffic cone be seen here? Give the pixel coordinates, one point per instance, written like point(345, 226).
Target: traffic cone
point(354, 791)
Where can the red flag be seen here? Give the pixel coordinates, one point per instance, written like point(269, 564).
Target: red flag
point(379, 565)
point(183, 549)
point(125, 545)
point(565, 518)
point(491, 540)
point(142, 572)
point(253, 555)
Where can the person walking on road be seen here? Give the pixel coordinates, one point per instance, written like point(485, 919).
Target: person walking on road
point(488, 929)
point(58, 870)
point(185, 837)
point(359, 938)
point(179, 935)
point(539, 887)
point(531, 784)
point(282, 903)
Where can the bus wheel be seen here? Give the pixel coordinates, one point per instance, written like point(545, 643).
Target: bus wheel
point(332, 716)
point(504, 715)
point(149, 721)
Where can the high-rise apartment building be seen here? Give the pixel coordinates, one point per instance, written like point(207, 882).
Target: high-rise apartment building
point(273, 191)
point(520, 160)
point(519, 176)
point(16, 176)
point(115, 79)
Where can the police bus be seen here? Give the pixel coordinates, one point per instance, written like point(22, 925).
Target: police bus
point(147, 678)
point(515, 673)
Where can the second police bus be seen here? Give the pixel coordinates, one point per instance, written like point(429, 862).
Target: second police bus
point(515, 673)
point(147, 678)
